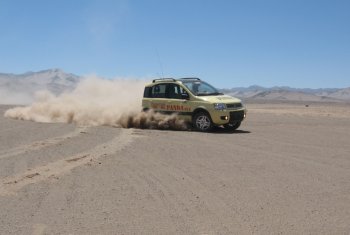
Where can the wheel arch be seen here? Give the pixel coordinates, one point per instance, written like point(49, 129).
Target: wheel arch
point(199, 110)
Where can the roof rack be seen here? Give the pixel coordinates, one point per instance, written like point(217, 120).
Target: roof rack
point(164, 79)
point(189, 79)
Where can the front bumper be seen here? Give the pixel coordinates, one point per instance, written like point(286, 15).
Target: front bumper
point(228, 116)
point(237, 116)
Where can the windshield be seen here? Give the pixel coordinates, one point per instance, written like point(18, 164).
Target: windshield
point(201, 88)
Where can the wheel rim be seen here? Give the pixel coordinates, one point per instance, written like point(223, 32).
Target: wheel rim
point(203, 122)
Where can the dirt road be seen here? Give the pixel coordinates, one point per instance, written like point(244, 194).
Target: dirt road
point(287, 171)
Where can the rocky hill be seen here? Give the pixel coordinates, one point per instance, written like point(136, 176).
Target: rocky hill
point(20, 88)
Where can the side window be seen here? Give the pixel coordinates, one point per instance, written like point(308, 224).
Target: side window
point(174, 91)
point(183, 91)
point(158, 91)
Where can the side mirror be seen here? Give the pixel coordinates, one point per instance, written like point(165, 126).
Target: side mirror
point(185, 96)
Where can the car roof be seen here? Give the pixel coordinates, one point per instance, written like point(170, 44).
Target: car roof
point(171, 80)
point(175, 80)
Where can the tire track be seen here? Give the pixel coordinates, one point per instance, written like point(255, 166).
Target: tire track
point(37, 145)
point(10, 185)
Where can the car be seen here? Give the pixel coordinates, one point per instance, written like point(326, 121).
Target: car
point(195, 101)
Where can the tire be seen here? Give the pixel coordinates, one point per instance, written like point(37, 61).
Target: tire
point(232, 126)
point(202, 122)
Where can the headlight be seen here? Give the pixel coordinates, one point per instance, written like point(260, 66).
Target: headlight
point(219, 106)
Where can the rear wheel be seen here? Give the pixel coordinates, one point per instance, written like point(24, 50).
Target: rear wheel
point(202, 122)
point(232, 126)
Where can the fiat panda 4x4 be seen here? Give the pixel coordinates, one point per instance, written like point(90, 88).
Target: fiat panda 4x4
point(195, 101)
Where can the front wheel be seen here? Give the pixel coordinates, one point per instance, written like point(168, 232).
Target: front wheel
point(202, 122)
point(232, 126)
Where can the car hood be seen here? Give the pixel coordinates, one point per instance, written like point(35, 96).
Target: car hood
point(226, 99)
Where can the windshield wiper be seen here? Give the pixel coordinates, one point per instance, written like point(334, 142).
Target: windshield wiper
point(207, 94)
point(202, 94)
point(217, 93)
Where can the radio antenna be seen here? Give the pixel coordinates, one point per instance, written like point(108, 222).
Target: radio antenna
point(160, 63)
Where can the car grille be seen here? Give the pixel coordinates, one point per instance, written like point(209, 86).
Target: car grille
point(234, 106)
point(236, 116)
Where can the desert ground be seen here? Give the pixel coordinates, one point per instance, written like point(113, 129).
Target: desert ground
point(285, 171)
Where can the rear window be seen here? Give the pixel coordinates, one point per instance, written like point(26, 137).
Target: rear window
point(147, 92)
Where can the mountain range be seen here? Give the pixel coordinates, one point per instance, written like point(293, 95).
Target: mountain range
point(20, 89)
point(287, 93)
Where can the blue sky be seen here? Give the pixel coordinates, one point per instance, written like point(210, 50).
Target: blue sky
point(298, 43)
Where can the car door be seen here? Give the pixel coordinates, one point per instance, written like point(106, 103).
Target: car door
point(176, 103)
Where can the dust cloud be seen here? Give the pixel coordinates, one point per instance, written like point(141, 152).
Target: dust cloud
point(96, 102)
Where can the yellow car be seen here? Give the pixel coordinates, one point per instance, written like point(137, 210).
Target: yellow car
point(195, 101)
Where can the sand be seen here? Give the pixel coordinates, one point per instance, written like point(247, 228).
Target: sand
point(286, 171)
